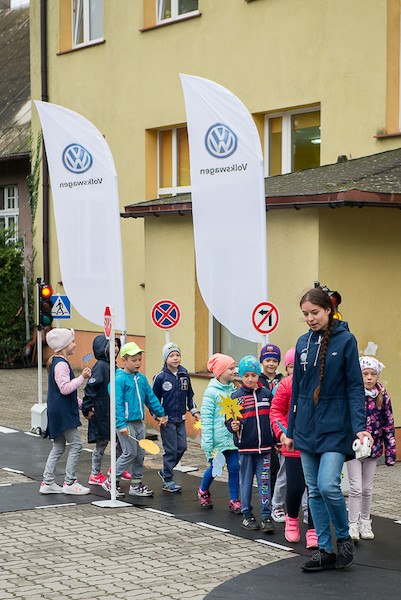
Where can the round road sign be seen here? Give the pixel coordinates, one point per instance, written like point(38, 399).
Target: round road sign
point(265, 317)
point(165, 314)
point(107, 322)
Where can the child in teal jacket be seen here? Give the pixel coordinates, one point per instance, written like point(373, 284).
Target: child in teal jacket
point(215, 436)
point(133, 392)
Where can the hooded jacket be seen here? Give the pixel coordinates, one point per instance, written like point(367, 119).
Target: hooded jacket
point(331, 424)
point(96, 392)
point(215, 435)
point(133, 392)
point(175, 393)
point(255, 434)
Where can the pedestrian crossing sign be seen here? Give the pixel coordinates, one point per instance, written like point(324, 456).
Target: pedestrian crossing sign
point(61, 307)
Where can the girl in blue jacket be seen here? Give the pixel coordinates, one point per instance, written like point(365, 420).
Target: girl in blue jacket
point(327, 411)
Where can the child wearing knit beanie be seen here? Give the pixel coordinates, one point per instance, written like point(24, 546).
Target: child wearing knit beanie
point(215, 436)
point(63, 414)
point(172, 386)
point(270, 357)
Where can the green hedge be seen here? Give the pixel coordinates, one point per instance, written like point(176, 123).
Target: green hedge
point(12, 305)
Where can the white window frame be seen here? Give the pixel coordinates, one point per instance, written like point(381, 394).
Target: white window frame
point(175, 16)
point(175, 189)
point(10, 212)
point(286, 137)
point(86, 25)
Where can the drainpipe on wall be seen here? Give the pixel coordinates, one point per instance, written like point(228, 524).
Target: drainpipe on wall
point(45, 168)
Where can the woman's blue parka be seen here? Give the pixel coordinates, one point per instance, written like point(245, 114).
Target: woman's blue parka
point(331, 424)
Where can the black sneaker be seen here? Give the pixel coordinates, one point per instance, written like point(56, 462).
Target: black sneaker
point(267, 525)
point(320, 561)
point(345, 553)
point(249, 522)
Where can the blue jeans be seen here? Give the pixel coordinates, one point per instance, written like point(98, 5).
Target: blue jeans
point(233, 474)
point(174, 437)
point(326, 501)
point(259, 465)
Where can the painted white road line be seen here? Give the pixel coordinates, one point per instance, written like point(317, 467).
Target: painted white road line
point(12, 470)
point(160, 512)
point(5, 484)
point(7, 430)
point(275, 545)
point(57, 505)
point(213, 527)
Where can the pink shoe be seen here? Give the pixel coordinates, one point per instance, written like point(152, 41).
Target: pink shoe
point(235, 506)
point(97, 479)
point(125, 476)
point(311, 539)
point(291, 531)
point(204, 498)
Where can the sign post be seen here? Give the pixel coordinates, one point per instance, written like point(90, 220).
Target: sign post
point(165, 315)
point(110, 335)
point(265, 318)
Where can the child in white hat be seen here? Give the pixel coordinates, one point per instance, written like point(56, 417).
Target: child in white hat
point(63, 414)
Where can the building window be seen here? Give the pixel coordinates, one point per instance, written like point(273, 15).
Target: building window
point(222, 340)
point(87, 21)
point(171, 10)
point(173, 162)
point(9, 210)
point(292, 141)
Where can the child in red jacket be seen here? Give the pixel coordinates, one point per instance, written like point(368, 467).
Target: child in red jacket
point(294, 473)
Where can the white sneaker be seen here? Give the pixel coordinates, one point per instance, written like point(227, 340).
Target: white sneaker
point(75, 489)
point(278, 514)
point(365, 529)
point(354, 531)
point(52, 488)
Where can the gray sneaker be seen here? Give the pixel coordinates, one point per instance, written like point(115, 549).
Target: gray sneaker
point(138, 489)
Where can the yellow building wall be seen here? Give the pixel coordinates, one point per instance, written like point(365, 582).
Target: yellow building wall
point(273, 55)
point(360, 256)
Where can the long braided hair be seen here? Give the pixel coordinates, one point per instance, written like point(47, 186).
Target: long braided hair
point(321, 298)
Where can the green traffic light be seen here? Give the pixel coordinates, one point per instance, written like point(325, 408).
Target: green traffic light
point(46, 319)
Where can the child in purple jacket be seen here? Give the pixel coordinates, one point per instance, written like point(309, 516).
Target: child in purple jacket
point(380, 423)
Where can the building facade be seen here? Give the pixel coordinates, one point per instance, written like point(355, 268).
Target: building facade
point(321, 79)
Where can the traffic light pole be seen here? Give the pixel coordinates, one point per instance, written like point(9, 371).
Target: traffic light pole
point(38, 410)
point(39, 345)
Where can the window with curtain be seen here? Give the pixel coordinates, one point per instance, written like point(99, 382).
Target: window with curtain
point(173, 162)
point(170, 10)
point(9, 209)
point(87, 21)
point(292, 141)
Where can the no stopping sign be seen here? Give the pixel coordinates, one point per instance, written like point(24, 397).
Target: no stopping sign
point(165, 314)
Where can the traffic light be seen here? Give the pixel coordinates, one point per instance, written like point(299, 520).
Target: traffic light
point(45, 304)
point(335, 298)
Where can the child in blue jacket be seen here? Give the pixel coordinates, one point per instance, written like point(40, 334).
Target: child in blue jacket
point(132, 393)
point(172, 386)
point(255, 440)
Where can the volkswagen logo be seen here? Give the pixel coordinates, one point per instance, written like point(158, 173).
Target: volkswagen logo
point(77, 159)
point(220, 141)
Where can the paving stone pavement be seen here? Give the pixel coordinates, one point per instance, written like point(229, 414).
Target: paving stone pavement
point(128, 553)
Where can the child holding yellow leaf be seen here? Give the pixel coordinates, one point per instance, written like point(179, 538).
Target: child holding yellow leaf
point(254, 438)
point(215, 437)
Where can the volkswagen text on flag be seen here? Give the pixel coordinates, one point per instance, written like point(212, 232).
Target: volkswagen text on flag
point(228, 204)
point(87, 213)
